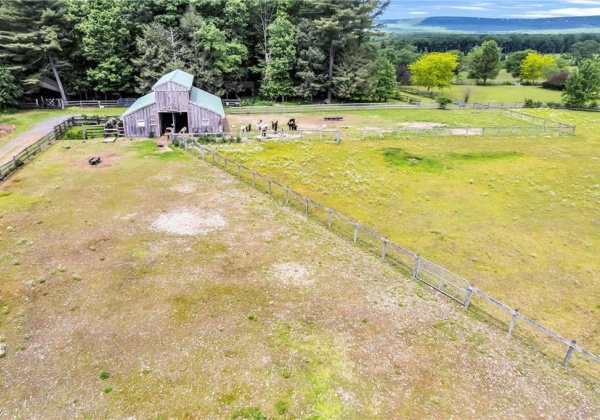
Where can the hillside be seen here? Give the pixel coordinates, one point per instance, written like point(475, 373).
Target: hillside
point(489, 25)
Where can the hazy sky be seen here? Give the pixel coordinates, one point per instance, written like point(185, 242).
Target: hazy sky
point(406, 9)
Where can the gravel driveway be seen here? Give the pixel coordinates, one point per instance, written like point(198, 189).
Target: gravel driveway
point(29, 137)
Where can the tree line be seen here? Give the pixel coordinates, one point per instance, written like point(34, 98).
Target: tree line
point(509, 43)
point(290, 48)
point(580, 86)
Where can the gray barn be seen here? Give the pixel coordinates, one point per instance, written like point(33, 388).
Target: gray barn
point(174, 103)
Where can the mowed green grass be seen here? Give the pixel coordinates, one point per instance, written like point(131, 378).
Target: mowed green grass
point(501, 93)
point(267, 316)
point(24, 120)
point(517, 216)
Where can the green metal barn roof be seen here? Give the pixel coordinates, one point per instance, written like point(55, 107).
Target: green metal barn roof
point(176, 76)
point(206, 100)
point(142, 102)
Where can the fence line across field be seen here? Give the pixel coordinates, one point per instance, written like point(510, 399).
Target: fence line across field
point(467, 131)
point(448, 283)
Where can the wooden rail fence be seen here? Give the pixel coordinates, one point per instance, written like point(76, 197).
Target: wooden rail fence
point(446, 282)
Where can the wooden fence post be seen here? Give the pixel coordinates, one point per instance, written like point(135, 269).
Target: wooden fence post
point(287, 196)
point(355, 232)
point(569, 353)
point(306, 208)
point(239, 171)
point(330, 219)
point(513, 320)
point(468, 297)
point(383, 247)
point(269, 187)
point(417, 266)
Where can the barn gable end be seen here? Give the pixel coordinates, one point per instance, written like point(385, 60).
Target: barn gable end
point(174, 102)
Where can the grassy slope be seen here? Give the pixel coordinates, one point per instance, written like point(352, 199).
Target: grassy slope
point(269, 314)
point(517, 216)
point(25, 120)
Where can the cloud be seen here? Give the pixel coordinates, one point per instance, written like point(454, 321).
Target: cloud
point(588, 2)
point(467, 7)
point(565, 12)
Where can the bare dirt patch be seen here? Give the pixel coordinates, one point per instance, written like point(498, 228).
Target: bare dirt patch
point(471, 131)
point(422, 125)
point(291, 273)
point(6, 129)
point(184, 188)
point(188, 222)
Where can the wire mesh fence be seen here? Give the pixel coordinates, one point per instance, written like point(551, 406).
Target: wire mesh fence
point(450, 284)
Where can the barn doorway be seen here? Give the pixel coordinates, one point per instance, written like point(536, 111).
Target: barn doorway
point(174, 120)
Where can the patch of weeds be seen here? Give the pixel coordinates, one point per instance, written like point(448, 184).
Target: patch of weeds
point(485, 156)
point(251, 318)
point(107, 389)
point(76, 277)
point(250, 413)
point(402, 159)
point(62, 269)
point(104, 375)
point(448, 328)
point(478, 339)
point(148, 149)
point(20, 348)
point(282, 406)
point(287, 372)
point(364, 320)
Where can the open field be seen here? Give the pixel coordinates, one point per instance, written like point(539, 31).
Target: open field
point(501, 93)
point(392, 118)
point(517, 216)
point(24, 120)
point(155, 285)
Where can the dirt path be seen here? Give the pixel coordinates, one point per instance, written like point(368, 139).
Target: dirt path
point(29, 137)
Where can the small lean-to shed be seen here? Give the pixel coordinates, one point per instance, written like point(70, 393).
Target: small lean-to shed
point(174, 103)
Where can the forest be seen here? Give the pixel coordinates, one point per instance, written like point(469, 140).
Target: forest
point(277, 49)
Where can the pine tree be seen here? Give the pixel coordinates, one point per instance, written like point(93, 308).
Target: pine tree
point(159, 51)
point(32, 36)
point(10, 91)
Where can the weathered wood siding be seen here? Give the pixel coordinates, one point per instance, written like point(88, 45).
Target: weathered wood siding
point(201, 120)
point(149, 115)
point(172, 97)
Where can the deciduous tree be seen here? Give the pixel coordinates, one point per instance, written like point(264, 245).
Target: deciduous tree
point(282, 58)
point(434, 70)
point(534, 65)
point(583, 85)
point(484, 62)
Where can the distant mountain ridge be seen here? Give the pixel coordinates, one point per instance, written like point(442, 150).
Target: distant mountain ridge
point(491, 25)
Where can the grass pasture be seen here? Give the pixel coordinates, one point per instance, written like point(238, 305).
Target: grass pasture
point(518, 216)
point(501, 93)
point(241, 309)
